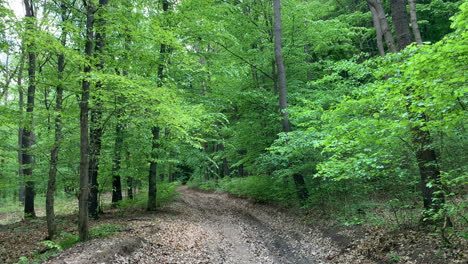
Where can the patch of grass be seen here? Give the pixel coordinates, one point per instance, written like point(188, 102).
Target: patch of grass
point(166, 193)
point(104, 230)
point(67, 240)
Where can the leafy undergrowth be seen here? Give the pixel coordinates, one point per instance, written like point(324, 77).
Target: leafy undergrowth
point(25, 241)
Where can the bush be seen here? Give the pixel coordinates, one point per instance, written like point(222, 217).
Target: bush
point(166, 193)
point(260, 188)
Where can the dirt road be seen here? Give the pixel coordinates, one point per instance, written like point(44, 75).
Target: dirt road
point(202, 227)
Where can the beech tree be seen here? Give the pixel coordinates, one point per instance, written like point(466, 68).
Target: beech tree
point(27, 133)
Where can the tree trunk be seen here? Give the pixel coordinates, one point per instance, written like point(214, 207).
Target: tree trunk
point(130, 187)
point(426, 156)
point(428, 165)
point(118, 146)
point(152, 189)
point(96, 127)
point(20, 131)
point(400, 22)
point(28, 133)
point(283, 95)
point(283, 99)
point(84, 141)
point(50, 215)
point(377, 4)
point(414, 22)
point(378, 30)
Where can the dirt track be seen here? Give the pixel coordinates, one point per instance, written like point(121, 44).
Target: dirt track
point(205, 227)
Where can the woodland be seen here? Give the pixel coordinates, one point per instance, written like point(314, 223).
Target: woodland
point(348, 112)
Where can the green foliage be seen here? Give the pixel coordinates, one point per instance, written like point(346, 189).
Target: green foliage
point(67, 240)
point(104, 230)
point(166, 193)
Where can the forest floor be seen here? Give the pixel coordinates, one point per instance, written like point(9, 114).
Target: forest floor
point(212, 227)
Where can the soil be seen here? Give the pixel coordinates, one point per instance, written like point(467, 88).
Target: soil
point(211, 227)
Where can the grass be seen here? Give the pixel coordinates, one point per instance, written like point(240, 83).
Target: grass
point(11, 212)
point(66, 240)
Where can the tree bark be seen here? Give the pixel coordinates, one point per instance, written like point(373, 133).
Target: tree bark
point(50, 215)
point(298, 178)
point(426, 156)
point(414, 22)
point(377, 4)
point(378, 30)
point(400, 22)
point(20, 130)
point(28, 133)
point(283, 95)
point(84, 136)
point(116, 179)
point(152, 189)
point(96, 127)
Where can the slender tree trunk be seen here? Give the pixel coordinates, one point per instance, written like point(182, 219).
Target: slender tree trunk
point(28, 133)
point(50, 215)
point(96, 127)
point(152, 189)
point(378, 30)
point(377, 4)
point(94, 153)
point(118, 147)
point(400, 22)
point(20, 130)
point(414, 22)
point(84, 136)
point(130, 187)
point(283, 99)
point(153, 171)
point(283, 95)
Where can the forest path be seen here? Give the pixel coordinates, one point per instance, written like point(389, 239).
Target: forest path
point(208, 227)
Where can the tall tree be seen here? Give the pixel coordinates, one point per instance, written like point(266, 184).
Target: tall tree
point(378, 30)
point(28, 133)
point(96, 126)
point(116, 162)
point(426, 156)
point(414, 22)
point(83, 220)
point(50, 215)
point(152, 175)
point(283, 94)
point(282, 86)
point(380, 12)
point(400, 22)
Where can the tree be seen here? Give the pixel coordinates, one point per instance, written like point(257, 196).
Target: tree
point(84, 134)
point(283, 97)
point(51, 184)
point(376, 6)
point(400, 22)
point(152, 175)
point(414, 22)
point(426, 156)
point(27, 140)
point(96, 126)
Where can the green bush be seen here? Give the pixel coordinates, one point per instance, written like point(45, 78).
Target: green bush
point(104, 230)
point(260, 188)
point(166, 193)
